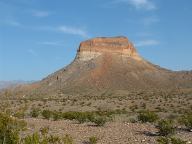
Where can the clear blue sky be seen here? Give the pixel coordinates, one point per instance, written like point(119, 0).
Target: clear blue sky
point(38, 37)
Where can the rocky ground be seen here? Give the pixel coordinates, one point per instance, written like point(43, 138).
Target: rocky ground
point(125, 106)
point(111, 133)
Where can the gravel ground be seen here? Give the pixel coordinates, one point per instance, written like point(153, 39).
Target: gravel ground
point(111, 133)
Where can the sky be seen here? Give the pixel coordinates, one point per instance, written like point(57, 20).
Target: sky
point(39, 37)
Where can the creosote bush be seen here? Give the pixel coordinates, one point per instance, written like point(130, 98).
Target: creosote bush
point(187, 121)
point(44, 138)
point(67, 139)
point(163, 140)
point(166, 127)
point(170, 140)
point(93, 140)
point(46, 114)
point(99, 118)
point(9, 129)
point(35, 112)
point(147, 116)
point(177, 141)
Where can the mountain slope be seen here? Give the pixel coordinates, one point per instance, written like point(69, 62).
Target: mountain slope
point(106, 64)
point(114, 64)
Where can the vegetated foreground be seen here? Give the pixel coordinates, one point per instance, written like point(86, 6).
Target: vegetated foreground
point(107, 117)
point(110, 133)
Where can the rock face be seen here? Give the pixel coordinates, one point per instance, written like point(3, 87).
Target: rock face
point(95, 47)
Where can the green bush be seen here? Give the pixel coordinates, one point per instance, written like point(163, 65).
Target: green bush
point(32, 139)
point(81, 117)
point(98, 117)
point(44, 138)
point(187, 121)
point(44, 131)
point(70, 115)
point(57, 115)
point(168, 140)
point(35, 112)
point(54, 139)
point(147, 116)
point(166, 127)
point(177, 141)
point(9, 129)
point(67, 139)
point(93, 140)
point(46, 114)
point(19, 114)
point(99, 120)
point(163, 140)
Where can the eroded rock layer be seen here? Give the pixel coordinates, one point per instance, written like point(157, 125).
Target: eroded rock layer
point(95, 47)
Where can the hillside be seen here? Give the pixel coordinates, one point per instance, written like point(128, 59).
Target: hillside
point(112, 64)
point(108, 94)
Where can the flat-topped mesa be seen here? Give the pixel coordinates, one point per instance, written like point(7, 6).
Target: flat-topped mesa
point(97, 46)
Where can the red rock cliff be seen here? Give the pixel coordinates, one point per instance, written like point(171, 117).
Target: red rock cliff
point(97, 46)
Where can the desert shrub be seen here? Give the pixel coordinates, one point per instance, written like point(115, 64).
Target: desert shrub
point(9, 129)
point(32, 139)
point(35, 112)
point(168, 140)
point(44, 131)
point(108, 113)
point(99, 120)
point(177, 141)
point(187, 121)
point(67, 139)
point(93, 140)
point(91, 116)
point(163, 140)
point(56, 115)
point(69, 115)
point(81, 117)
point(46, 114)
point(19, 114)
point(132, 120)
point(147, 116)
point(53, 139)
point(166, 127)
point(44, 138)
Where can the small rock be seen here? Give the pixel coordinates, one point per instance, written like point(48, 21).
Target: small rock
point(143, 140)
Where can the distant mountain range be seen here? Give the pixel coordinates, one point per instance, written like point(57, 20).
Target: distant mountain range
point(8, 84)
